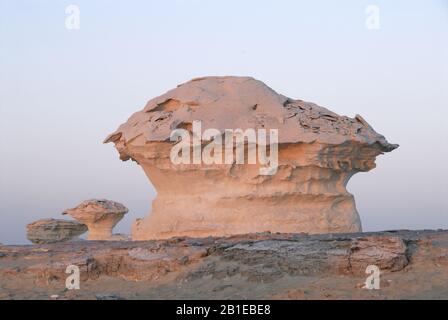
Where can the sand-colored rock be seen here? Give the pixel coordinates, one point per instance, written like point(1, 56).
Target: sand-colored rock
point(413, 265)
point(100, 217)
point(318, 152)
point(54, 230)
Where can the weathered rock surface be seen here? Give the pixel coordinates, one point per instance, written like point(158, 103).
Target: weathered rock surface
point(318, 152)
point(413, 264)
point(54, 230)
point(100, 216)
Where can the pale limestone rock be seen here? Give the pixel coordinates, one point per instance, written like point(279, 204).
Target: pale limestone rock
point(100, 216)
point(319, 151)
point(54, 230)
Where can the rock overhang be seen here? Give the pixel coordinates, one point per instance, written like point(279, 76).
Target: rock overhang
point(243, 103)
point(318, 152)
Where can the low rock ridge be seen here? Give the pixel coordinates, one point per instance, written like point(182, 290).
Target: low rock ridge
point(274, 262)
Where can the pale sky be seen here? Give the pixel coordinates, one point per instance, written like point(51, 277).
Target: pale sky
point(63, 91)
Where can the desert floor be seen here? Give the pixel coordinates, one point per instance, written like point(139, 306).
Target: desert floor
point(412, 264)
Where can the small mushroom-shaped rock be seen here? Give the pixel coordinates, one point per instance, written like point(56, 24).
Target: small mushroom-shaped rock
point(100, 216)
point(54, 230)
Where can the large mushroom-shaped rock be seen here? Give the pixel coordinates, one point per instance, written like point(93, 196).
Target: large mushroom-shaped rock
point(318, 152)
point(100, 216)
point(54, 230)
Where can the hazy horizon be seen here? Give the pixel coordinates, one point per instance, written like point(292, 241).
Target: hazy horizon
point(63, 91)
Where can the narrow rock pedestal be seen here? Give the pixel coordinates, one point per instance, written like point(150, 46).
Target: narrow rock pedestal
point(100, 217)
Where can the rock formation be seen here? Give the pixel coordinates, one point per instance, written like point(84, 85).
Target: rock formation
point(318, 152)
point(100, 216)
point(54, 230)
point(413, 265)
